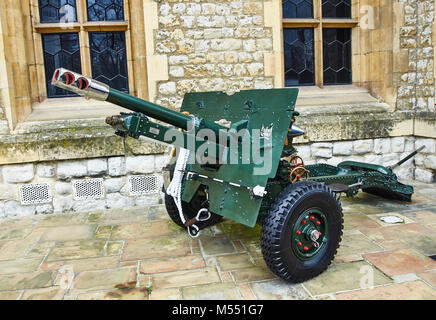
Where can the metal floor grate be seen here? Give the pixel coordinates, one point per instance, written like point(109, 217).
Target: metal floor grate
point(88, 189)
point(35, 193)
point(144, 184)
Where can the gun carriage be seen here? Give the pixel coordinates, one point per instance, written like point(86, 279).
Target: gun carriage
point(210, 176)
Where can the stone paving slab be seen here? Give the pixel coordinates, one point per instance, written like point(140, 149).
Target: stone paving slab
point(139, 253)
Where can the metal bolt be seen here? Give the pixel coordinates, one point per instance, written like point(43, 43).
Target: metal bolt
point(298, 232)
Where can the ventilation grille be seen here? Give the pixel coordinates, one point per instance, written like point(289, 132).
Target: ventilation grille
point(141, 185)
point(35, 193)
point(88, 189)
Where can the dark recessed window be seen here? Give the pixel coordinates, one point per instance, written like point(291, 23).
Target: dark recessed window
point(337, 56)
point(109, 59)
point(105, 10)
point(60, 50)
point(57, 11)
point(297, 9)
point(298, 47)
point(336, 8)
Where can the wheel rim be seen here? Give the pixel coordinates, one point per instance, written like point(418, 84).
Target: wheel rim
point(309, 234)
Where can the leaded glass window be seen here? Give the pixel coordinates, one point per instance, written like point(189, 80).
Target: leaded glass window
point(337, 56)
point(297, 9)
point(105, 58)
point(105, 10)
point(298, 46)
point(336, 8)
point(317, 42)
point(60, 50)
point(57, 11)
point(109, 59)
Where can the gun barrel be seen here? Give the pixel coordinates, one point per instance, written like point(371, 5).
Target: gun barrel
point(399, 163)
point(85, 86)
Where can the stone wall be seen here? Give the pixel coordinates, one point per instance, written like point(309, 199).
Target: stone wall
point(383, 151)
point(59, 175)
point(416, 88)
point(210, 46)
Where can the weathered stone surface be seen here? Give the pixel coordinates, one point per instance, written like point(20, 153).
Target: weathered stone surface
point(63, 188)
point(345, 276)
point(157, 248)
point(216, 245)
point(416, 290)
point(424, 175)
point(114, 185)
point(234, 261)
point(344, 148)
point(116, 201)
point(19, 266)
point(97, 166)
point(221, 291)
point(18, 173)
point(12, 208)
point(279, 290)
point(71, 169)
point(400, 261)
point(81, 249)
point(54, 293)
point(140, 164)
point(117, 166)
point(119, 278)
point(71, 232)
point(89, 205)
point(185, 278)
point(45, 170)
point(8, 192)
point(322, 150)
point(362, 146)
point(152, 266)
point(31, 280)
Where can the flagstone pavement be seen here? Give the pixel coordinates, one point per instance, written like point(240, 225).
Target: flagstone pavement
point(138, 253)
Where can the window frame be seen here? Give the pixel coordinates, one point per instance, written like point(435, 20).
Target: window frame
point(82, 27)
point(318, 23)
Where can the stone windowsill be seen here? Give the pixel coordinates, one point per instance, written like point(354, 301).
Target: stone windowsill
point(76, 129)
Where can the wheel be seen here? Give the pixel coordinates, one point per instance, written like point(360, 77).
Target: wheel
point(302, 231)
point(190, 210)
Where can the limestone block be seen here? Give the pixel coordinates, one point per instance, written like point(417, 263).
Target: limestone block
point(18, 173)
point(140, 164)
point(113, 185)
point(12, 209)
point(71, 169)
point(117, 166)
point(44, 170)
point(9, 192)
point(147, 200)
point(63, 188)
point(97, 166)
point(430, 145)
point(160, 161)
point(398, 144)
point(322, 150)
point(424, 175)
point(62, 204)
point(89, 205)
point(117, 201)
point(430, 162)
point(363, 146)
point(44, 209)
point(343, 148)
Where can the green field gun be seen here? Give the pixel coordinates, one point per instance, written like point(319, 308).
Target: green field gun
point(233, 156)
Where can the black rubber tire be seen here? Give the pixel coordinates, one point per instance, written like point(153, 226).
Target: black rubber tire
point(278, 224)
point(190, 210)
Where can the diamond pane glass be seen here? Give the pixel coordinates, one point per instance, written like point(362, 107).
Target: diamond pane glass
point(337, 56)
point(109, 59)
point(105, 10)
point(57, 11)
point(336, 8)
point(297, 9)
point(299, 57)
point(60, 50)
